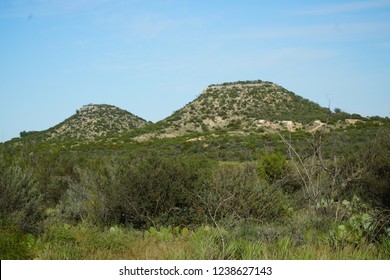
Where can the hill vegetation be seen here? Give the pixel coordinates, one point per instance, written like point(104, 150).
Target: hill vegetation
point(248, 170)
point(245, 106)
point(248, 107)
point(90, 122)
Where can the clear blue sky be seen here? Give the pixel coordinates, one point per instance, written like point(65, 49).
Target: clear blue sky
point(153, 57)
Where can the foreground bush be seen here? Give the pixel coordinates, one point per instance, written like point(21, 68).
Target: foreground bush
point(235, 193)
point(144, 192)
point(15, 244)
point(20, 199)
point(156, 191)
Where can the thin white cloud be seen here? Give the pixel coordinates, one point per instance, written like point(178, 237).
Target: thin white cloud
point(299, 53)
point(57, 8)
point(152, 25)
point(327, 32)
point(111, 67)
point(385, 45)
point(344, 8)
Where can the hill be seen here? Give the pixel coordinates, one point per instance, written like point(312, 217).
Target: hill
point(252, 106)
point(237, 108)
point(90, 122)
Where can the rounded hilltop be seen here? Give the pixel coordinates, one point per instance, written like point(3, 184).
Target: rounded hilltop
point(90, 122)
point(96, 120)
point(246, 106)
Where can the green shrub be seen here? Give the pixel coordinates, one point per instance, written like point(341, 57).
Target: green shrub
point(272, 167)
point(235, 193)
point(20, 200)
point(143, 192)
point(14, 244)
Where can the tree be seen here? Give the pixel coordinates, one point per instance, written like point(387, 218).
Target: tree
point(323, 179)
point(337, 110)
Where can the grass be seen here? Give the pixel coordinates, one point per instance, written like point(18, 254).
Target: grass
point(84, 242)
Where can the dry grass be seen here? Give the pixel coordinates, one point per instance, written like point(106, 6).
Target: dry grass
point(203, 243)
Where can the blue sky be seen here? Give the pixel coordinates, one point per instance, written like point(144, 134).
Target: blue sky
point(153, 57)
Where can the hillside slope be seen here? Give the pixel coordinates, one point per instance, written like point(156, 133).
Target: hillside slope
point(245, 106)
point(90, 122)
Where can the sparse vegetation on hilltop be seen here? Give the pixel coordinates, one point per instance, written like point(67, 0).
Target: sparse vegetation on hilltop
point(90, 122)
point(244, 106)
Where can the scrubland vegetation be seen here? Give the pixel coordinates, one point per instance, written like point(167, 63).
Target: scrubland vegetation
point(260, 196)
